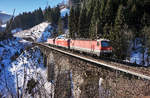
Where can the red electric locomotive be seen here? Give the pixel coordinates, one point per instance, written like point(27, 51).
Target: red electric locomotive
point(96, 47)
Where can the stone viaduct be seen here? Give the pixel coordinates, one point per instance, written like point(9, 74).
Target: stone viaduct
point(75, 78)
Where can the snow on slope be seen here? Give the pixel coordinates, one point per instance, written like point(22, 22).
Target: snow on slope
point(16, 30)
point(64, 12)
point(8, 49)
point(29, 65)
point(13, 63)
point(38, 33)
point(137, 55)
point(4, 25)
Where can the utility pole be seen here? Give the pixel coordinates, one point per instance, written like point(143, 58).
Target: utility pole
point(96, 29)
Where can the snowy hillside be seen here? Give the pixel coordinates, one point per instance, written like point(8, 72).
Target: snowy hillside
point(38, 33)
point(64, 12)
point(8, 48)
point(29, 65)
point(9, 51)
point(19, 66)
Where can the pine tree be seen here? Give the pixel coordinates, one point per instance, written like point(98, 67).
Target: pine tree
point(118, 36)
point(109, 13)
point(145, 36)
point(76, 21)
point(55, 15)
point(90, 8)
point(65, 19)
point(83, 30)
point(145, 20)
point(146, 41)
point(70, 25)
point(95, 26)
point(40, 15)
point(106, 29)
point(52, 15)
point(48, 14)
point(60, 26)
point(102, 8)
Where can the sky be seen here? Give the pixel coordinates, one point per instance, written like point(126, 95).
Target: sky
point(25, 5)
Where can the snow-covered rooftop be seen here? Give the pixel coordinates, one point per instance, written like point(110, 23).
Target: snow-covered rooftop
point(64, 12)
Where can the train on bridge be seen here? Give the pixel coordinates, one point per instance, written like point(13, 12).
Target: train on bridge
point(95, 47)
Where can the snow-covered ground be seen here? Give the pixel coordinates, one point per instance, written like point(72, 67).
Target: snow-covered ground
point(3, 26)
point(29, 65)
point(38, 33)
point(9, 50)
point(137, 55)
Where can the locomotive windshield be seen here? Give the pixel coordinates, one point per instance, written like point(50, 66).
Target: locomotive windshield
point(105, 43)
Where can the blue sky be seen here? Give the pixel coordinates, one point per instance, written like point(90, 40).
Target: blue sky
point(25, 5)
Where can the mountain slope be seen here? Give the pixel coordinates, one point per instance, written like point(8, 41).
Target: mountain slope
point(18, 61)
point(38, 33)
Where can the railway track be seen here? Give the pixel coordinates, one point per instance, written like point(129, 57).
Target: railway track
point(135, 71)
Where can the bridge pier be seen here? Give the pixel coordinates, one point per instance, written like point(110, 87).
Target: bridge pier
point(50, 67)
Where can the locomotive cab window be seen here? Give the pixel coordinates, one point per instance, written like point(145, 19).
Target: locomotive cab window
point(105, 43)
